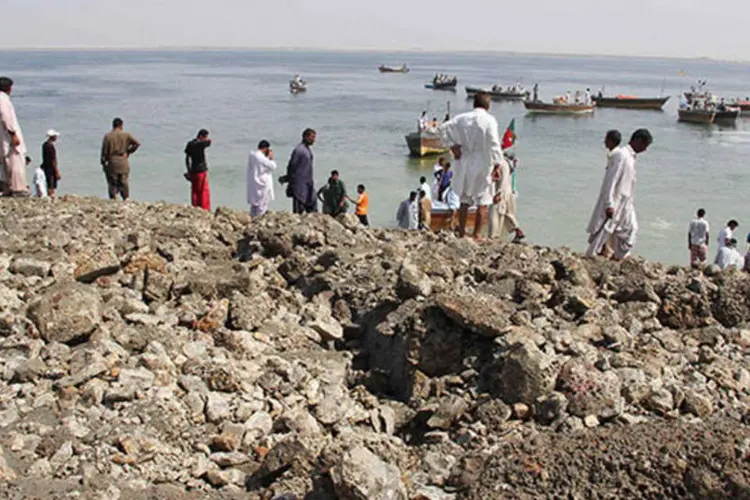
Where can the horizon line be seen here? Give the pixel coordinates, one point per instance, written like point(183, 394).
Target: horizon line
point(384, 50)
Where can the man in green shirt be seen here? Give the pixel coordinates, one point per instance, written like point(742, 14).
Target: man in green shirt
point(333, 195)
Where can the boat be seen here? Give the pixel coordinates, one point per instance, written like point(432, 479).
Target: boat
point(425, 143)
point(442, 83)
point(743, 104)
point(443, 218)
point(558, 108)
point(699, 116)
point(727, 116)
point(393, 69)
point(630, 102)
point(297, 85)
point(497, 93)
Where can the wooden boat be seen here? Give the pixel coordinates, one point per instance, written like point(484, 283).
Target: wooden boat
point(699, 116)
point(498, 94)
point(728, 116)
point(424, 144)
point(393, 69)
point(445, 219)
point(442, 84)
point(628, 102)
point(558, 108)
point(295, 87)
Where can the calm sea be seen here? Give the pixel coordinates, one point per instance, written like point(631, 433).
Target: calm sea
point(362, 116)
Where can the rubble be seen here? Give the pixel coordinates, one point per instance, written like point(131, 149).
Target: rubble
point(153, 349)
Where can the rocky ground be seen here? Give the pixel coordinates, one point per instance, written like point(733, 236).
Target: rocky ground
point(157, 351)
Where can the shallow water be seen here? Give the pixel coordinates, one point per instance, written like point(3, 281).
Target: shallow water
point(362, 116)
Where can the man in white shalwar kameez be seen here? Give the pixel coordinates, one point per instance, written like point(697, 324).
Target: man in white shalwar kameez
point(502, 215)
point(260, 167)
point(475, 143)
point(614, 215)
point(12, 146)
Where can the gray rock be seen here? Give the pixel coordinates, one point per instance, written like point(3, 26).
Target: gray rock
point(67, 313)
point(30, 267)
point(524, 375)
point(660, 401)
point(328, 328)
point(217, 408)
point(363, 475)
point(450, 410)
point(412, 282)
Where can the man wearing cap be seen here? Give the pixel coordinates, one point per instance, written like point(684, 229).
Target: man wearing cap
point(117, 146)
point(197, 169)
point(49, 161)
point(12, 146)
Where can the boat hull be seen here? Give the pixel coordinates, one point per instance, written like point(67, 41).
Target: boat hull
point(386, 69)
point(421, 145)
point(728, 117)
point(558, 109)
point(654, 103)
point(495, 95)
point(441, 86)
point(695, 116)
point(444, 219)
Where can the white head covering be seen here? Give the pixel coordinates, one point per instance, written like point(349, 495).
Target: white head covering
point(53, 133)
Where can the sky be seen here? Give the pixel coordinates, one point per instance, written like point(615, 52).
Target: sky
point(673, 28)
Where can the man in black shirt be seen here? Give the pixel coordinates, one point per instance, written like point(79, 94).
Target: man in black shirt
point(49, 161)
point(197, 169)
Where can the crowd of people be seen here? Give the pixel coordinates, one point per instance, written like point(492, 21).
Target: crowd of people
point(479, 182)
point(727, 254)
point(579, 98)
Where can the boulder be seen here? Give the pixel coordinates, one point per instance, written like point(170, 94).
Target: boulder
point(590, 391)
point(523, 375)
point(479, 313)
point(67, 313)
point(412, 282)
point(362, 475)
point(30, 267)
point(90, 266)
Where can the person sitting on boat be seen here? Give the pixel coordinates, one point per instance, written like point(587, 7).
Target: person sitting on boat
point(445, 180)
point(423, 121)
point(578, 97)
point(722, 106)
point(587, 97)
point(567, 97)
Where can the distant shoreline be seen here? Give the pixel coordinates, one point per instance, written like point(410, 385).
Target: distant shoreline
point(369, 50)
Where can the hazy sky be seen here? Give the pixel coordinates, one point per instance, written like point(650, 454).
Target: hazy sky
point(684, 28)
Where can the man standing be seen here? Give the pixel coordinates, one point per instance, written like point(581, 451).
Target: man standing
point(299, 175)
point(425, 211)
point(49, 162)
point(474, 140)
point(698, 239)
point(614, 215)
point(423, 186)
point(333, 195)
point(12, 145)
point(197, 170)
point(362, 202)
point(727, 234)
point(117, 146)
point(503, 211)
point(260, 167)
point(408, 212)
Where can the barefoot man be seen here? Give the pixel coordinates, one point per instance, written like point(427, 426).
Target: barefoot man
point(475, 143)
point(614, 215)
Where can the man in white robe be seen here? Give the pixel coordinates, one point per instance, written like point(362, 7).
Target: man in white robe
point(474, 140)
point(260, 167)
point(12, 146)
point(614, 215)
point(503, 211)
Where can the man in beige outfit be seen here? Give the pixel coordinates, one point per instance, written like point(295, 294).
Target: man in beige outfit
point(502, 217)
point(12, 146)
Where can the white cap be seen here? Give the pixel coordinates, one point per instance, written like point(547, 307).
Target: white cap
point(53, 133)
